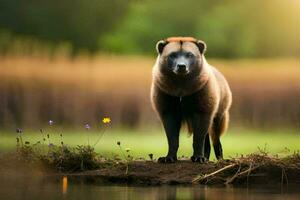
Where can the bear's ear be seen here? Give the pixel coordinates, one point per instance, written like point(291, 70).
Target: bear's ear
point(160, 46)
point(201, 45)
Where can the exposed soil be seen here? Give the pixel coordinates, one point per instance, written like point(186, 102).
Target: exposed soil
point(254, 169)
point(237, 172)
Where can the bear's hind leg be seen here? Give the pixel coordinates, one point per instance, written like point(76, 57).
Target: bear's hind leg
point(219, 126)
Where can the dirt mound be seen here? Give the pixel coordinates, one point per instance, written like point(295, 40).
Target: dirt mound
point(83, 163)
point(253, 169)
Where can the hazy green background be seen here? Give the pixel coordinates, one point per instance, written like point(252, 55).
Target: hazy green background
point(232, 28)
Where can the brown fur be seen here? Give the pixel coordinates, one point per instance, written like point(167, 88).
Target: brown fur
point(206, 96)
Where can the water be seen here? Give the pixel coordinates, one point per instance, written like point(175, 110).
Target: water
point(40, 187)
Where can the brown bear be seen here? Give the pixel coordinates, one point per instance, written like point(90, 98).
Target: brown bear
point(185, 88)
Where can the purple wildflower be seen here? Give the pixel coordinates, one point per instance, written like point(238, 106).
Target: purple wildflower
point(87, 126)
point(51, 122)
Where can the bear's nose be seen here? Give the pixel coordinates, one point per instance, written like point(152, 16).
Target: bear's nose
point(181, 66)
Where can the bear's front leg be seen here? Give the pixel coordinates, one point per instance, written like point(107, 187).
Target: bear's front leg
point(201, 123)
point(172, 123)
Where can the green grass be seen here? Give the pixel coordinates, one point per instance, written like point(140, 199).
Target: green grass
point(142, 143)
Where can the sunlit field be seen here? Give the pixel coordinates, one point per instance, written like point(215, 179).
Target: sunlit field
point(84, 89)
point(142, 143)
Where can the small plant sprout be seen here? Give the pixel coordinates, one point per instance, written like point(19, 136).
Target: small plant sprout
point(18, 143)
point(50, 123)
point(61, 139)
point(87, 128)
point(20, 132)
point(126, 156)
point(48, 137)
point(43, 136)
point(106, 122)
point(129, 157)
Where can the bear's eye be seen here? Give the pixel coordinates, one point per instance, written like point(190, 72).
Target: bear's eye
point(172, 56)
point(189, 55)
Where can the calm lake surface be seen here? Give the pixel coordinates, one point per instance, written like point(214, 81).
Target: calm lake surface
point(26, 187)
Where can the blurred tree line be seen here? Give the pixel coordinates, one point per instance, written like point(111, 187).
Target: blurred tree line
point(231, 28)
point(76, 22)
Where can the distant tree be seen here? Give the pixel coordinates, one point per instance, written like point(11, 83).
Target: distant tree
point(231, 28)
point(79, 22)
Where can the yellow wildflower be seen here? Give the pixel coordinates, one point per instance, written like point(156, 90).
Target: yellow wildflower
point(106, 120)
point(127, 149)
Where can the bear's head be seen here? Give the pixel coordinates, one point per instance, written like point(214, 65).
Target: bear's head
point(180, 56)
